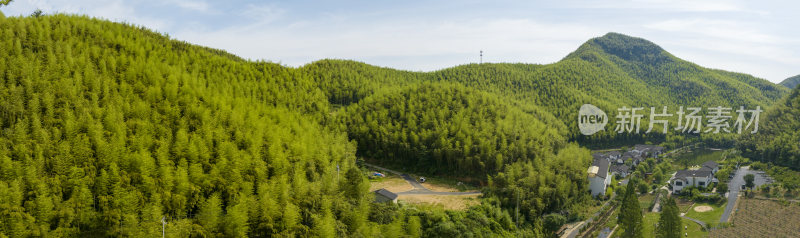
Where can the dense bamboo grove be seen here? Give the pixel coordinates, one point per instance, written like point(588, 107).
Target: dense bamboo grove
point(107, 128)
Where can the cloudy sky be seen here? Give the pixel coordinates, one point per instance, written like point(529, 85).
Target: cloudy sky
point(755, 37)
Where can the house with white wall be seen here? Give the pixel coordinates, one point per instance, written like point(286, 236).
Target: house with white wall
point(599, 178)
point(690, 178)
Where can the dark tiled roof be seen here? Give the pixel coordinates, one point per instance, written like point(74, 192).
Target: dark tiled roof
point(602, 165)
point(710, 164)
point(386, 193)
point(648, 148)
point(620, 168)
point(682, 174)
point(598, 155)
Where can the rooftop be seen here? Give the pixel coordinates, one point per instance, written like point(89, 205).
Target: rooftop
point(692, 173)
point(386, 193)
point(602, 167)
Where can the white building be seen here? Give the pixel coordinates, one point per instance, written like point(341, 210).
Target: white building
point(690, 178)
point(599, 178)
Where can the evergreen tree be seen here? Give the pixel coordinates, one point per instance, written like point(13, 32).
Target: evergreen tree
point(669, 223)
point(630, 214)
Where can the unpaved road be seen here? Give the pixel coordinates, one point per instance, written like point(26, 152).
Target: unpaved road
point(418, 188)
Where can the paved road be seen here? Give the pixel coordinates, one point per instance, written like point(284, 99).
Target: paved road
point(702, 224)
point(413, 182)
point(736, 184)
point(418, 188)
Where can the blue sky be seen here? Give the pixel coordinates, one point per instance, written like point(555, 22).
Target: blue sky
point(754, 37)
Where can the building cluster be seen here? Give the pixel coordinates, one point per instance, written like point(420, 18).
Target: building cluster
point(612, 163)
point(702, 177)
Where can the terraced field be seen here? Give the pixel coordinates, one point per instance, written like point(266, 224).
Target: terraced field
point(763, 218)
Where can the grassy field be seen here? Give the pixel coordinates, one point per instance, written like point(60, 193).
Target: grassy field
point(450, 202)
point(645, 200)
point(709, 217)
point(689, 227)
point(651, 218)
point(396, 184)
point(392, 183)
point(698, 156)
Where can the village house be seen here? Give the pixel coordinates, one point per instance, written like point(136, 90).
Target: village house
point(383, 195)
point(598, 176)
point(711, 166)
point(690, 178)
point(620, 170)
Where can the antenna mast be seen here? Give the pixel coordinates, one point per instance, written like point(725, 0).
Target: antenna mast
point(481, 62)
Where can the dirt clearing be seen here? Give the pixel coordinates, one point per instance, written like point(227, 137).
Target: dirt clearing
point(703, 208)
point(453, 202)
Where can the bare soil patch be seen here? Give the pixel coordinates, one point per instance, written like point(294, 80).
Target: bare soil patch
point(452, 202)
point(703, 208)
point(394, 184)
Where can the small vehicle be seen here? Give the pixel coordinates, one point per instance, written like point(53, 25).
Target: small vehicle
point(421, 179)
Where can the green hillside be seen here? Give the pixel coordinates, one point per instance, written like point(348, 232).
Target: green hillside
point(610, 72)
point(778, 138)
point(105, 128)
point(445, 128)
point(791, 82)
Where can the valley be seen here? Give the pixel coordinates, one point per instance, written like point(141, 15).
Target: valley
point(111, 129)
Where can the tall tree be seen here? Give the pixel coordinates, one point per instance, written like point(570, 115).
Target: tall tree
point(669, 224)
point(630, 214)
point(749, 180)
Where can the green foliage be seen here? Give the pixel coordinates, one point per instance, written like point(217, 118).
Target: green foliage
point(37, 13)
point(557, 181)
point(630, 214)
point(748, 180)
point(791, 82)
point(777, 139)
point(722, 188)
point(448, 129)
point(106, 128)
point(669, 223)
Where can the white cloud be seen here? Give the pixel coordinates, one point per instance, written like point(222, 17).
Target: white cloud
point(196, 5)
point(262, 14)
point(733, 45)
point(424, 45)
point(733, 35)
point(115, 10)
point(706, 6)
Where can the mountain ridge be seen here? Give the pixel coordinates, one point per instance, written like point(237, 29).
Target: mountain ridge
point(791, 82)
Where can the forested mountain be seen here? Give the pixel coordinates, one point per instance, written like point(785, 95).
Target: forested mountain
point(791, 82)
point(444, 128)
point(778, 139)
point(105, 128)
point(610, 72)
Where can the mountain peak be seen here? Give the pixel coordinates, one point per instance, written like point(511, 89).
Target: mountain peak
point(791, 82)
point(625, 47)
